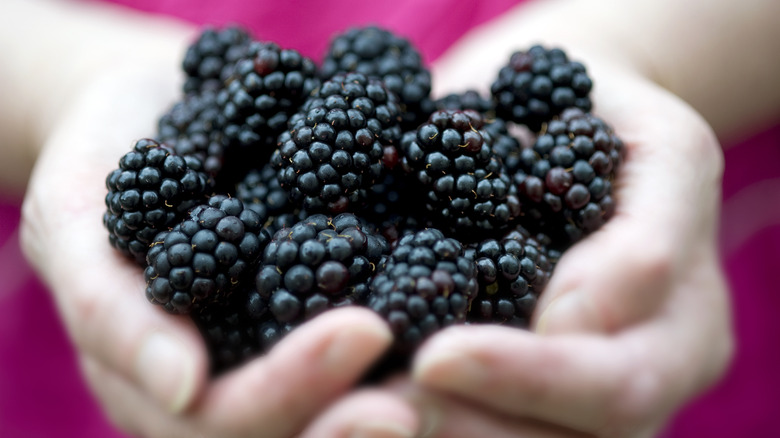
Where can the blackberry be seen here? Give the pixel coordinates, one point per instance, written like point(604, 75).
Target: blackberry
point(260, 191)
point(205, 257)
point(267, 86)
point(191, 127)
point(512, 273)
point(317, 264)
point(468, 100)
point(468, 189)
point(505, 145)
point(210, 60)
point(373, 51)
point(538, 84)
point(426, 284)
point(339, 144)
point(229, 332)
point(152, 189)
point(565, 181)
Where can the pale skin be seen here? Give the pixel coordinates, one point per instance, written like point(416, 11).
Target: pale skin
point(617, 345)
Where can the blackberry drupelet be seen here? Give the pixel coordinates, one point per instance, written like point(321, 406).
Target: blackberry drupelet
point(210, 60)
point(512, 273)
point(267, 86)
point(538, 84)
point(426, 284)
point(152, 189)
point(229, 332)
point(317, 264)
point(468, 189)
point(339, 144)
point(373, 51)
point(191, 127)
point(565, 181)
point(206, 256)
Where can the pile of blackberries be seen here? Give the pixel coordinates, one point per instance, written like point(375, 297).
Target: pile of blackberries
point(278, 188)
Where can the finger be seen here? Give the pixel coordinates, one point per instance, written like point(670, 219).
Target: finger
point(99, 293)
point(370, 413)
point(665, 211)
point(444, 416)
point(571, 380)
point(317, 362)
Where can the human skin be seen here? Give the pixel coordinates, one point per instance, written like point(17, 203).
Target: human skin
point(618, 345)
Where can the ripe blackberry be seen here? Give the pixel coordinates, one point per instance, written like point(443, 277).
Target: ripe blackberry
point(317, 264)
point(468, 100)
point(191, 127)
point(539, 84)
point(505, 145)
point(468, 189)
point(426, 284)
point(152, 189)
point(260, 191)
point(229, 332)
point(565, 181)
point(204, 257)
point(210, 60)
point(267, 86)
point(377, 52)
point(339, 144)
point(512, 273)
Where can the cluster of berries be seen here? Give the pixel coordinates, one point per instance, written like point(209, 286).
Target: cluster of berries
point(278, 188)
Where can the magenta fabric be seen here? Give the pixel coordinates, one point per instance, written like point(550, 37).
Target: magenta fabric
point(42, 393)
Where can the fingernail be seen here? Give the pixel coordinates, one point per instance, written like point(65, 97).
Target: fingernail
point(366, 339)
point(382, 429)
point(567, 313)
point(166, 369)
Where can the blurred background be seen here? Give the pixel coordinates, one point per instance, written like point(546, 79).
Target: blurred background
point(42, 393)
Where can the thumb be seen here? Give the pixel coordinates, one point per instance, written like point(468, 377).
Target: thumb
point(666, 214)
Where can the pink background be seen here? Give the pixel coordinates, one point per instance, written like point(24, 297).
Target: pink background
point(41, 391)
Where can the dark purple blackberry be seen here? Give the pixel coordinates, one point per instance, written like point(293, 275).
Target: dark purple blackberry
point(260, 191)
point(505, 145)
point(468, 189)
point(191, 127)
point(205, 257)
point(229, 332)
point(210, 60)
point(317, 264)
point(512, 273)
point(267, 86)
point(377, 52)
point(538, 84)
point(426, 284)
point(468, 100)
point(152, 189)
point(339, 144)
point(565, 181)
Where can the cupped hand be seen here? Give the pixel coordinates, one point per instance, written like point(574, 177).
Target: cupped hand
point(635, 320)
point(149, 368)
